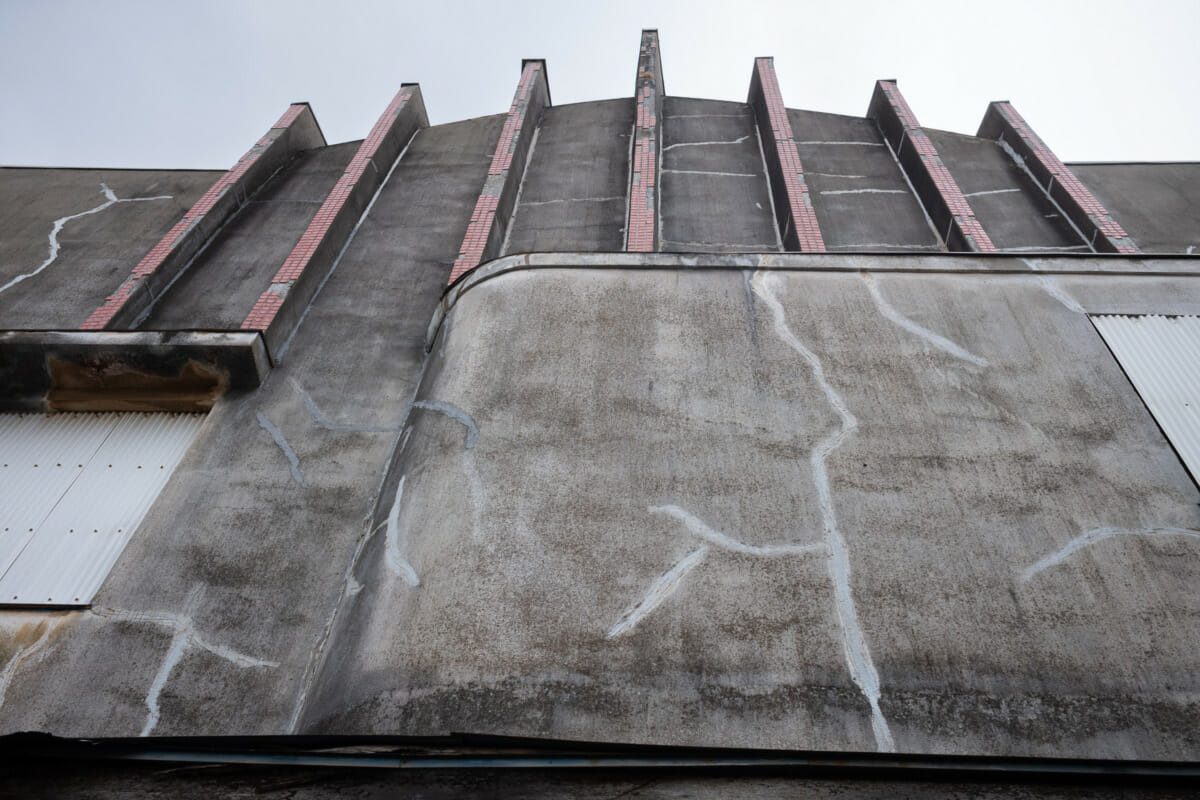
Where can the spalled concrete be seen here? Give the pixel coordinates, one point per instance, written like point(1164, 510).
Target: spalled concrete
point(95, 251)
point(573, 194)
point(714, 188)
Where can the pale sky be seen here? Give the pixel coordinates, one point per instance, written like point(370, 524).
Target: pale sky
point(170, 84)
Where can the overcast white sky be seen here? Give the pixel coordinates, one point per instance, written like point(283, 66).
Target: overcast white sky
point(175, 84)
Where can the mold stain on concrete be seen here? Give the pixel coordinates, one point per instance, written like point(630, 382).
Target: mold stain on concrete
point(30, 639)
point(854, 643)
point(56, 228)
point(1097, 535)
point(106, 383)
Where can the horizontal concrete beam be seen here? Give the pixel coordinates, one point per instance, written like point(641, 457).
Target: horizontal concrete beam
point(296, 130)
point(125, 371)
point(279, 308)
point(935, 186)
point(493, 209)
point(641, 230)
point(793, 203)
point(1104, 234)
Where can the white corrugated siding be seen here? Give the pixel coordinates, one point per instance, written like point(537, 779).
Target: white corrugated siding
point(1161, 355)
point(73, 489)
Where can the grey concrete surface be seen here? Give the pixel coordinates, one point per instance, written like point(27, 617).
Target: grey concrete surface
point(1012, 209)
point(574, 193)
point(215, 616)
point(73, 243)
point(716, 527)
point(715, 196)
point(860, 196)
point(223, 283)
point(1157, 204)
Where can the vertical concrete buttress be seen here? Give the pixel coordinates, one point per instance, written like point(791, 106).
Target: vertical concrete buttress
point(793, 202)
point(935, 186)
point(641, 231)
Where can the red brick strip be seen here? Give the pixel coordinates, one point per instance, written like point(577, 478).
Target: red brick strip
point(935, 185)
point(484, 232)
point(1002, 122)
point(641, 230)
point(330, 228)
point(794, 209)
point(171, 255)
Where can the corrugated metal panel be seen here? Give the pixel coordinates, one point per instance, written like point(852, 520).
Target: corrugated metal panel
point(1161, 355)
point(74, 489)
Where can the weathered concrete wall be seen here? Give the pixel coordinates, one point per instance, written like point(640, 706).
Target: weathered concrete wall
point(774, 501)
point(861, 198)
point(75, 234)
point(574, 193)
point(1012, 209)
point(214, 619)
point(1158, 204)
point(222, 284)
point(715, 197)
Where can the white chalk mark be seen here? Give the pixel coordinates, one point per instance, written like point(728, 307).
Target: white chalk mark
point(394, 557)
point(1097, 535)
point(184, 636)
point(866, 191)
point(455, 413)
point(293, 459)
point(525, 203)
point(854, 642)
point(856, 144)
point(711, 172)
point(990, 191)
point(57, 227)
point(701, 529)
point(938, 341)
point(1052, 288)
point(738, 140)
point(22, 655)
point(328, 424)
point(659, 591)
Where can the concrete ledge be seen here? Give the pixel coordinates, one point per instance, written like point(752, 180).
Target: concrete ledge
point(493, 209)
point(1090, 217)
point(793, 202)
point(278, 309)
point(641, 231)
point(935, 186)
point(296, 130)
point(125, 371)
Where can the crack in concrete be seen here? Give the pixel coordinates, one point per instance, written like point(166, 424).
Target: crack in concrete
point(57, 227)
point(455, 413)
point(711, 172)
point(990, 191)
point(938, 341)
point(393, 555)
point(293, 459)
point(854, 642)
point(662, 588)
point(866, 191)
point(1052, 288)
point(184, 636)
point(738, 140)
point(859, 144)
point(571, 200)
point(329, 425)
point(1096, 535)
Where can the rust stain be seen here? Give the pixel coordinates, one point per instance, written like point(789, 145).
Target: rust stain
point(14, 643)
point(106, 384)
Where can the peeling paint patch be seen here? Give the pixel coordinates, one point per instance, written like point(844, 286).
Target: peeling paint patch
point(455, 413)
point(57, 227)
point(938, 341)
point(293, 459)
point(394, 557)
point(854, 642)
point(1097, 535)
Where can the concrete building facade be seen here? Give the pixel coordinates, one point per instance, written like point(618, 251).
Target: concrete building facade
point(687, 431)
